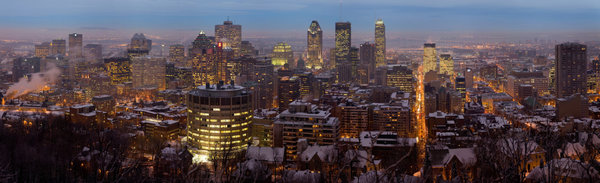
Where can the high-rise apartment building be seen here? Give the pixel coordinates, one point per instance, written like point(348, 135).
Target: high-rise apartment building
point(76, 45)
point(314, 40)
point(304, 121)
point(354, 118)
point(429, 57)
point(230, 36)
point(571, 62)
point(219, 117)
point(380, 43)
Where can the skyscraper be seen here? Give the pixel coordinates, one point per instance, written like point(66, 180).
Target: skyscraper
point(209, 61)
point(380, 43)
point(148, 71)
point(571, 62)
point(342, 41)
point(282, 54)
point(264, 78)
point(469, 78)
point(230, 35)
point(118, 69)
point(367, 60)
point(58, 46)
point(218, 120)
point(314, 42)
point(177, 54)
point(460, 86)
point(446, 65)
point(400, 77)
point(139, 46)
point(288, 91)
point(429, 57)
point(75, 45)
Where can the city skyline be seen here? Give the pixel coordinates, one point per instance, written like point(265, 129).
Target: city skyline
point(285, 18)
point(300, 91)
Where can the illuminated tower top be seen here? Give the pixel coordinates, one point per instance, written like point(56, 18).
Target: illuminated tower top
point(380, 43)
point(314, 42)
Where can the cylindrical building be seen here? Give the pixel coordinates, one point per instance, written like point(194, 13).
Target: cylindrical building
point(218, 120)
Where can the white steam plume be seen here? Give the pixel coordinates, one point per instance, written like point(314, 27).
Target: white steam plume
point(36, 82)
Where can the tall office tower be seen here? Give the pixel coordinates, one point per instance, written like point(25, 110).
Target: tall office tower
point(347, 70)
point(460, 86)
point(177, 54)
point(92, 52)
point(264, 90)
point(218, 120)
point(148, 71)
point(571, 62)
point(76, 45)
point(446, 65)
point(248, 49)
point(58, 46)
point(139, 46)
point(23, 66)
point(230, 35)
point(380, 43)
point(209, 61)
point(355, 62)
point(42, 50)
point(342, 44)
point(118, 69)
point(282, 54)
point(401, 77)
point(367, 59)
point(288, 91)
point(469, 78)
point(314, 41)
point(304, 121)
point(201, 44)
point(429, 58)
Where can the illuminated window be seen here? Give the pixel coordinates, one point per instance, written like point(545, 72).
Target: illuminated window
point(216, 109)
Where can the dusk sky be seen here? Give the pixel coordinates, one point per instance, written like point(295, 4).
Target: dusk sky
point(286, 15)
